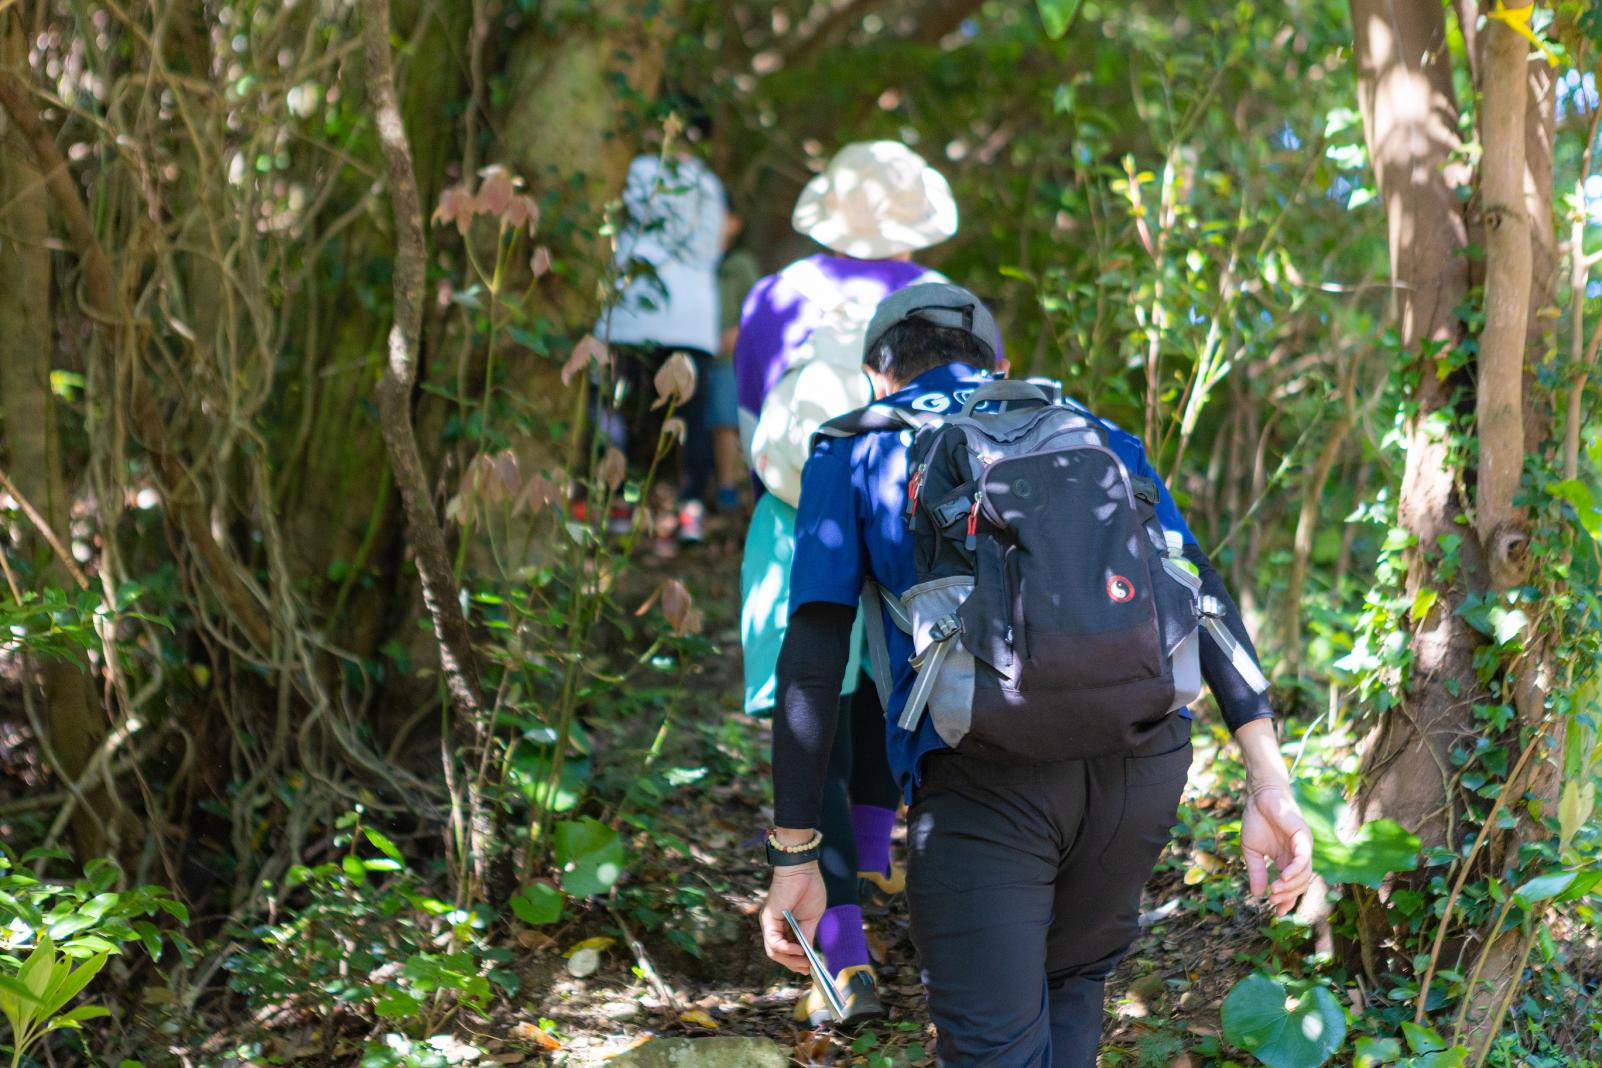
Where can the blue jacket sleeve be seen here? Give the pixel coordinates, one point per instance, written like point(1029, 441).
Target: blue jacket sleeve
point(828, 566)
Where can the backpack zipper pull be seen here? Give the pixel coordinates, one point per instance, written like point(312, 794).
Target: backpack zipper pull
point(972, 541)
point(914, 484)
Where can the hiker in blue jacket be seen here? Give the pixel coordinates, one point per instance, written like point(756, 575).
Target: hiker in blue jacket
point(1025, 873)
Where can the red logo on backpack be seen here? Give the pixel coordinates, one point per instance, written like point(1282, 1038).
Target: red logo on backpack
point(1120, 589)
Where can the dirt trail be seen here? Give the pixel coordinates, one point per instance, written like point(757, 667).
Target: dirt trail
point(702, 873)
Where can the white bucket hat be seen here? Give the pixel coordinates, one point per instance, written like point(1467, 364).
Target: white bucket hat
point(874, 200)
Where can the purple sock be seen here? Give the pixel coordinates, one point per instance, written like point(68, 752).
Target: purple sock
point(873, 825)
point(840, 938)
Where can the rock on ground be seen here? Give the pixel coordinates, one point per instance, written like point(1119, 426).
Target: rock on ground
point(704, 1053)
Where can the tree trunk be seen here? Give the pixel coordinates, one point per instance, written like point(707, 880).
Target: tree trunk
point(1499, 415)
point(1516, 187)
point(73, 720)
point(1410, 120)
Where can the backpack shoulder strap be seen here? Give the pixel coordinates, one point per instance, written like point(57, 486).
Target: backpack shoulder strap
point(867, 420)
point(876, 600)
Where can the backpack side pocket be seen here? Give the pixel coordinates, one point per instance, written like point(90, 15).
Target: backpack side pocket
point(946, 669)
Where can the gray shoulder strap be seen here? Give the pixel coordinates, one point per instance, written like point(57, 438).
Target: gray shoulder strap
point(875, 602)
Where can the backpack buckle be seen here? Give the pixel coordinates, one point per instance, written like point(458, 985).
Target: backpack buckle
point(945, 628)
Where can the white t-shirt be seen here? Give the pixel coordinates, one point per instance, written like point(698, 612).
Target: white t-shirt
point(675, 224)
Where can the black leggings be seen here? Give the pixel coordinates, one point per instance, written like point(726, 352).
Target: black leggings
point(629, 421)
point(859, 773)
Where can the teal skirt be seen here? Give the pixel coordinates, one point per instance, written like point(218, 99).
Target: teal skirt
point(765, 604)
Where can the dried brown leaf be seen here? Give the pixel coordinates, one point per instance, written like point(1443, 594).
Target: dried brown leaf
point(590, 348)
point(523, 212)
point(613, 468)
point(541, 492)
point(504, 477)
point(532, 1033)
point(495, 195)
point(678, 607)
point(675, 382)
point(456, 205)
point(812, 1047)
point(529, 938)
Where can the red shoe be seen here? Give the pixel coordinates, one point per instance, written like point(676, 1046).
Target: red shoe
point(692, 521)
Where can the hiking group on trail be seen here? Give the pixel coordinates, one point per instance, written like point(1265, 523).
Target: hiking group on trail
point(970, 595)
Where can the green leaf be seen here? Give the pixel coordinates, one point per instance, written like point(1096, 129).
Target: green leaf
point(384, 845)
point(1373, 1052)
point(1058, 15)
point(79, 1015)
point(1583, 884)
point(150, 936)
point(1544, 886)
point(12, 987)
point(1422, 1039)
point(1579, 494)
point(590, 855)
point(1379, 848)
point(1423, 601)
point(541, 903)
point(85, 946)
point(354, 868)
point(1574, 807)
point(44, 854)
point(102, 873)
point(1510, 624)
point(531, 771)
point(70, 982)
point(37, 973)
point(1260, 1017)
point(397, 1004)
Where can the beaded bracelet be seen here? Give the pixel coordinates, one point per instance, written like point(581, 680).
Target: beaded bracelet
point(811, 844)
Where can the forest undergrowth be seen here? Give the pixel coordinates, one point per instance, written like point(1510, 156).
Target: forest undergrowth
point(671, 948)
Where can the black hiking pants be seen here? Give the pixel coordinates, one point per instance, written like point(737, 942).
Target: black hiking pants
point(1024, 885)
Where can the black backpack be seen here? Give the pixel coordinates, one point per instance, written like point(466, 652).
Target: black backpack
point(1053, 617)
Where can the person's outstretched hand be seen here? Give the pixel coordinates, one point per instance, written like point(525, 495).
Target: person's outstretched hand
point(798, 888)
point(1272, 830)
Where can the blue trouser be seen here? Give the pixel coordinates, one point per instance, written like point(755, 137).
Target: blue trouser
point(1024, 886)
point(711, 407)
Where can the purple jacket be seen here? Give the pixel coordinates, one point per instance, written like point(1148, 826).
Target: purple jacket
point(783, 309)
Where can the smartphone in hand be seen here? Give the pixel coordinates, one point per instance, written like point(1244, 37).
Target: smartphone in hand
point(820, 972)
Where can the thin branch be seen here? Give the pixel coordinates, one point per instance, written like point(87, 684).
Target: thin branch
point(491, 862)
point(43, 526)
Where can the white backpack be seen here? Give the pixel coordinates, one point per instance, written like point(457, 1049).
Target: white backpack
point(824, 380)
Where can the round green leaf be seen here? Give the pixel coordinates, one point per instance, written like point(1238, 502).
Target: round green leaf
point(1261, 1018)
point(590, 855)
point(540, 903)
